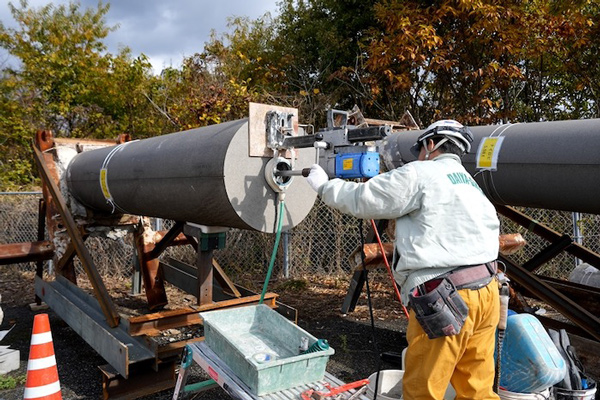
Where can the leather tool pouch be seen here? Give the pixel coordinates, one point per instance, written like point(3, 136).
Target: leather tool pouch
point(440, 312)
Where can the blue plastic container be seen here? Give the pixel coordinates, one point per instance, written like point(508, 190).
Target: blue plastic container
point(530, 361)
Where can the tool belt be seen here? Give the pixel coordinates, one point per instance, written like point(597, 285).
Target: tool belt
point(437, 305)
point(473, 276)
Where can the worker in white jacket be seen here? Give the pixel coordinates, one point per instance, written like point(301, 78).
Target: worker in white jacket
point(446, 243)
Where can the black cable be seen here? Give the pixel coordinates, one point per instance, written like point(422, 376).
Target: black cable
point(365, 276)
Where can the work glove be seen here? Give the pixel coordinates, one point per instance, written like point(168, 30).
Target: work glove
point(317, 177)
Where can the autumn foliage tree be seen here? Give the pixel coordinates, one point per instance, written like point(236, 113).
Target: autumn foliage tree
point(63, 80)
point(478, 61)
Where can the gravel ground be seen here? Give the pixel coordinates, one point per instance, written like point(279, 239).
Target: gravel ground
point(318, 303)
point(318, 306)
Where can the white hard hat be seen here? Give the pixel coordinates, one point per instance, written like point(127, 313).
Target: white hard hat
point(450, 129)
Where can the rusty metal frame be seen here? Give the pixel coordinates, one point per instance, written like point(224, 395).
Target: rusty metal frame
point(41, 234)
point(108, 308)
point(122, 341)
point(151, 324)
point(563, 304)
point(550, 235)
point(525, 278)
point(151, 274)
point(14, 253)
point(166, 240)
point(358, 279)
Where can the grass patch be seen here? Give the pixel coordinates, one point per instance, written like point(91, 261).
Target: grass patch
point(11, 382)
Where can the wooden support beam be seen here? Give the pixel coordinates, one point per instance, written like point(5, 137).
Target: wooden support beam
point(224, 280)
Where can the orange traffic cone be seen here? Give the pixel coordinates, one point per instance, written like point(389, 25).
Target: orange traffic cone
point(42, 375)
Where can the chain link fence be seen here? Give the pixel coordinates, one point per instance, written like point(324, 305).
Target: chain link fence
point(320, 245)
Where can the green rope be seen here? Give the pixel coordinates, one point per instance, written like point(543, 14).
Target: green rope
point(277, 237)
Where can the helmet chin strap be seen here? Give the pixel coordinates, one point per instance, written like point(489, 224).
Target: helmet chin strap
point(437, 146)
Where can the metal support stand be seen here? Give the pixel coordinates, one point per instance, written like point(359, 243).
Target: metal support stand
point(358, 279)
point(222, 376)
point(41, 234)
point(136, 277)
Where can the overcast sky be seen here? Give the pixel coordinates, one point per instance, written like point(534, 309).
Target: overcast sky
point(164, 30)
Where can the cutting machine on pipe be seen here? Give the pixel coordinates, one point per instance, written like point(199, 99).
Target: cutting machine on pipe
point(344, 150)
point(223, 175)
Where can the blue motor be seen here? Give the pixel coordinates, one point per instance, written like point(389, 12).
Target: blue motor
point(357, 165)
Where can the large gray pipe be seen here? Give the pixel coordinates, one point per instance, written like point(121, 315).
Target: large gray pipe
point(202, 175)
point(551, 165)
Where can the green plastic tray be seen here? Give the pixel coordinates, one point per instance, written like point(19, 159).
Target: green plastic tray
point(263, 348)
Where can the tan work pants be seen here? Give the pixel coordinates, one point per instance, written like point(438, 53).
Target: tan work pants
point(466, 360)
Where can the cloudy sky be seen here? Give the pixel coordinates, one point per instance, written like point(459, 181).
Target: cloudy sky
point(164, 30)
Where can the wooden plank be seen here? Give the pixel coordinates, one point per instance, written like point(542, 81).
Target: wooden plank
point(151, 324)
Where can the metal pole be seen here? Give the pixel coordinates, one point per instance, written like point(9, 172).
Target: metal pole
point(136, 277)
point(19, 193)
point(576, 233)
point(286, 255)
point(41, 234)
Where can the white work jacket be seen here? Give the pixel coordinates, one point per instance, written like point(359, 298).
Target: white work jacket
point(443, 219)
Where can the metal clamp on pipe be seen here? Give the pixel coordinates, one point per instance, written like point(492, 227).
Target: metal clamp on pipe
point(279, 173)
